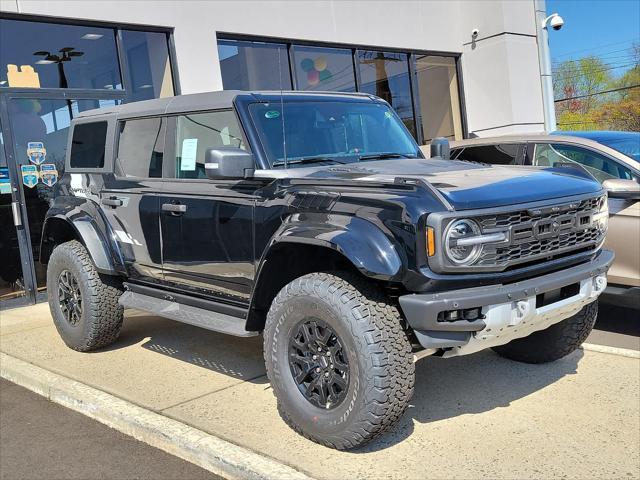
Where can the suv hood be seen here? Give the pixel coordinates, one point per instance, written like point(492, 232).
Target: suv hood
point(465, 185)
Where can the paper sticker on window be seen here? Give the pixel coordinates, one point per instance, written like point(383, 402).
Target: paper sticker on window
point(5, 183)
point(188, 155)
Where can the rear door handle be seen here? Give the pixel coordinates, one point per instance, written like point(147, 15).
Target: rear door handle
point(112, 202)
point(174, 208)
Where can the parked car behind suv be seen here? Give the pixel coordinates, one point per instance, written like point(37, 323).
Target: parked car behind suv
point(610, 157)
point(315, 220)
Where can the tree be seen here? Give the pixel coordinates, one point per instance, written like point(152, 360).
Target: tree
point(580, 78)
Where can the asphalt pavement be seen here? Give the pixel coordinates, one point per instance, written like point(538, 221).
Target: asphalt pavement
point(42, 440)
point(616, 327)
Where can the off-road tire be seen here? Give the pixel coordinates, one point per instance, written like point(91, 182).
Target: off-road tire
point(101, 318)
point(555, 342)
point(382, 372)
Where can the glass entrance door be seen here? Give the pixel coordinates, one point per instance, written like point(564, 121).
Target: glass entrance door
point(35, 142)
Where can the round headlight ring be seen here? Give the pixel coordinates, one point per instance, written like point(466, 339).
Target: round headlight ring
point(456, 230)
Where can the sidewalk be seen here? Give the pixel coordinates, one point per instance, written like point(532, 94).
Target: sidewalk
point(472, 416)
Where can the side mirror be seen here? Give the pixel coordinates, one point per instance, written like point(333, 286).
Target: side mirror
point(228, 162)
point(440, 148)
point(620, 188)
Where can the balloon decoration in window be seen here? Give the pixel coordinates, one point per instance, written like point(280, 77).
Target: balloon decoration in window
point(317, 70)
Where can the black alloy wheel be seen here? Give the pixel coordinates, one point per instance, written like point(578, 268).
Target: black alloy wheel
point(319, 363)
point(69, 297)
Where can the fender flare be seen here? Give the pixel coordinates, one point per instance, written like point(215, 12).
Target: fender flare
point(91, 229)
point(363, 243)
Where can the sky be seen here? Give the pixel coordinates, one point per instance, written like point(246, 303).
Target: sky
point(606, 28)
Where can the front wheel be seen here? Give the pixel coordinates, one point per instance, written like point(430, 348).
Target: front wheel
point(84, 304)
point(555, 342)
point(338, 360)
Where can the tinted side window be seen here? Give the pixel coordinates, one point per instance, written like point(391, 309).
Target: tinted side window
point(197, 132)
point(600, 166)
point(141, 147)
point(87, 145)
point(504, 154)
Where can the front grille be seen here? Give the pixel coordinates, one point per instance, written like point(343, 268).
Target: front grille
point(541, 232)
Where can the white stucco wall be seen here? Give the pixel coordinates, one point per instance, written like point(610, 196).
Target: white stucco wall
point(501, 76)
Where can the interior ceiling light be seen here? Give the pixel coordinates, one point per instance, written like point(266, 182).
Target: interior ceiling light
point(45, 62)
point(91, 36)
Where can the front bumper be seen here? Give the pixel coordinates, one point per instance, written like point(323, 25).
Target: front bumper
point(509, 311)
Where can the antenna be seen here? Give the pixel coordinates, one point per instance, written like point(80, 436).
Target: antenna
point(284, 137)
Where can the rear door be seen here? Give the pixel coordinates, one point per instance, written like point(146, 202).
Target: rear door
point(131, 196)
point(207, 225)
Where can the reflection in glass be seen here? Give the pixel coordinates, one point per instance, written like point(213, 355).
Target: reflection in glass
point(324, 69)
point(439, 101)
point(47, 55)
point(147, 57)
point(11, 281)
point(386, 74)
point(254, 65)
point(46, 121)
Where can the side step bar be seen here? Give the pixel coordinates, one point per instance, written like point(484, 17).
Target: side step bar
point(199, 317)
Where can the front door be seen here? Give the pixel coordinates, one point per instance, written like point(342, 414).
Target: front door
point(207, 226)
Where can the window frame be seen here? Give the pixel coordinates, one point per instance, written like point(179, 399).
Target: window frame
point(171, 146)
point(108, 147)
point(116, 147)
point(411, 53)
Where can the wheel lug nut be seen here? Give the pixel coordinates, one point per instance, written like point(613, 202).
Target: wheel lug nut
point(319, 349)
point(317, 369)
point(331, 365)
point(315, 357)
point(328, 354)
point(326, 374)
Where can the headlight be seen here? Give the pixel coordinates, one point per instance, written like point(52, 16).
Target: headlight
point(601, 219)
point(457, 251)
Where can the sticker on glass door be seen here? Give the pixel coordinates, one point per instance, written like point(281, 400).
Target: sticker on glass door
point(29, 175)
point(48, 174)
point(36, 152)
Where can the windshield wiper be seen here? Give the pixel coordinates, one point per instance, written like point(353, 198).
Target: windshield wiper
point(383, 155)
point(282, 163)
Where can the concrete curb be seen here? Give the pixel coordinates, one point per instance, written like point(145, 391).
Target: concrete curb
point(621, 352)
point(203, 449)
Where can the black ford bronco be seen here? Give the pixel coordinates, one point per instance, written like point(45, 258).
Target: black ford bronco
point(315, 220)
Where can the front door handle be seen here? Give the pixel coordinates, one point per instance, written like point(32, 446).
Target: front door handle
point(112, 202)
point(174, 208)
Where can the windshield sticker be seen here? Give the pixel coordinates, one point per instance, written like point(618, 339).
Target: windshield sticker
point(388, 114)
point(36, 152)
point(48, 174)
point(272, 114)
point(29, 175)
point(5, 183)
point(188, 156)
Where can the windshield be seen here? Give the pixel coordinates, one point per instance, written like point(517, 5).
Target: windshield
point(330, 132)
point(629, 145)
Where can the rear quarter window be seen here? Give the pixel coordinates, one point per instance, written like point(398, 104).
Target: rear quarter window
point(88, 145)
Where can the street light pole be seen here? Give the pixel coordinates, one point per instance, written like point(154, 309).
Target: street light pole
point(544, 59)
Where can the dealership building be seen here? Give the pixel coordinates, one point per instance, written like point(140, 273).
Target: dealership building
point(449, 68)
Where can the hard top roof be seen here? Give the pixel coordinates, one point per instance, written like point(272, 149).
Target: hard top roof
point(212, 101)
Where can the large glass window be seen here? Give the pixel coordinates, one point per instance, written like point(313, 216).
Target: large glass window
point(330, 132)
point(324, 69)
point(148, 63)
point(49, 55)
point(200, 131)
point(439, 100)
point(141, 147)
point(254, 65)
point(386, 74)
point(499, 154)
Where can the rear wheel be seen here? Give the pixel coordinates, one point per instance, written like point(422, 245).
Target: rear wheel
point(84, 304)
point(338, 359)
point(555, 342)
